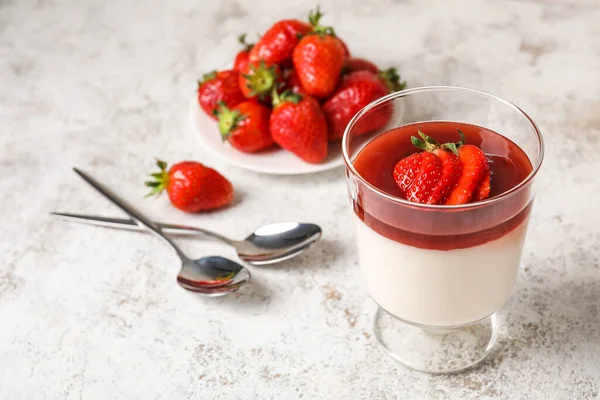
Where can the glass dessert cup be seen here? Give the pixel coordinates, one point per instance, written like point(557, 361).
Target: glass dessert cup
point(438, 273)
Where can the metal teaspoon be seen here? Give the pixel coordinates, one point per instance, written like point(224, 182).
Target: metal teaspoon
point(268, 244)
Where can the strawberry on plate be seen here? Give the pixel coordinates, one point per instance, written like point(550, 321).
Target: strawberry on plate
point(353, 64)
point(219, 86)
point(450, 173)
point(318, 59)
point(191, 186)
point(246, 126)
point(356, 90)
point(298, 125)
point(242, 57)
point(258, 79)
point(277, 44)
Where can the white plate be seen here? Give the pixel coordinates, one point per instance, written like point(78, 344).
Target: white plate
point(276, 161)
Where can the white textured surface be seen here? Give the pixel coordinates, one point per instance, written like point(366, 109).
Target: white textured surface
point(96, 314)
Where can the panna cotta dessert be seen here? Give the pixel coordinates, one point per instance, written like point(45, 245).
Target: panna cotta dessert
point(441, 221)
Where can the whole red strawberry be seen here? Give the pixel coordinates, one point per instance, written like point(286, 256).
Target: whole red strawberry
point(277, 44)
point(242, 57)
point(318, 59)
point(246, 126)
point(451, 173)
point(356, 90)
point(298, 125)
point(191, 186)
point(219, 86)
point(359, 64)
point(258, 79)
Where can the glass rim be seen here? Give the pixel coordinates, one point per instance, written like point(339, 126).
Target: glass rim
point(422, 89)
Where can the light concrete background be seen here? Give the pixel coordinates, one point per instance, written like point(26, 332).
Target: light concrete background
point(90, 313)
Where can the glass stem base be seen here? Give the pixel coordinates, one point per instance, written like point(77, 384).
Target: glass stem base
point(435, 349)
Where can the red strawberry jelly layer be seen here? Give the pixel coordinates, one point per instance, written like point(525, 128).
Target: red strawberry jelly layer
point(438, 228)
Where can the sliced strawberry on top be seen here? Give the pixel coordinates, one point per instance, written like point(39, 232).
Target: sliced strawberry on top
point(428, 177)
point(451, 166)
point(449, 173)
point(475, 170)
point(406, 169)
point(451, 170)
point(485, 187)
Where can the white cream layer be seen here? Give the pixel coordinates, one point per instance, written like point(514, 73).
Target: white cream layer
point(439, 288)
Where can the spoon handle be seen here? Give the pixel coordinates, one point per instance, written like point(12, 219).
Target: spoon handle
point(124, 223)
point(141, 220)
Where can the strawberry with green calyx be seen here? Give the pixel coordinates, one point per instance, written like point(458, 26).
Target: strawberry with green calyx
point(246, 126)
point(319, 58)
point(298, 125)
point(449, 173)
point(277, 44)
point(228, 119)
point(242, 57)
point(191, 186)
point(258, 80)
point(391, 79)
point(219, 86)
point(314, 18)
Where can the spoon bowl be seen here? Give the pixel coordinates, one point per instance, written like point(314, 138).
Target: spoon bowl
point(277, 242)
point(242, 277)
point(208, 272)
